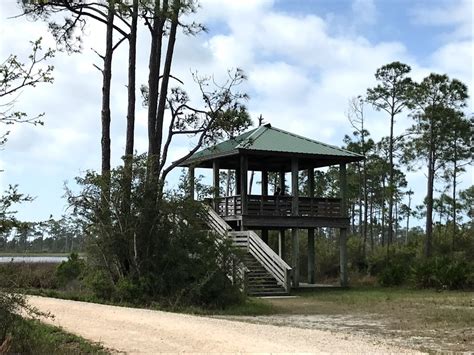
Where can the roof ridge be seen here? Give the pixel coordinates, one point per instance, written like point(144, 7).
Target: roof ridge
point(314, 141)
point(256, 130)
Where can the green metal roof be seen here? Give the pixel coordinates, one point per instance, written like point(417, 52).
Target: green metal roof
point(272, 140)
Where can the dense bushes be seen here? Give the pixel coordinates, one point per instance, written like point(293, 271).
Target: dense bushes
point(406, 266)
point(443, 272)
point(153, 251)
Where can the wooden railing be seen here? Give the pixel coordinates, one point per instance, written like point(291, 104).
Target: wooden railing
point(275, 265)
point(239, 271)
point(278, 206)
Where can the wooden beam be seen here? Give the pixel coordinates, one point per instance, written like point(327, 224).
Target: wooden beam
point(281, 244)
point(311, 182)
point(311, 257)
point(343, 257)
point(215, 178)
point(243, 181)
point(191, 181)
point(282, 182)
point(295, 260)
point(343, 231)
point(294, 186)
point(276, 222)
point(264, 183)
point(311, 247)
point(237, 180)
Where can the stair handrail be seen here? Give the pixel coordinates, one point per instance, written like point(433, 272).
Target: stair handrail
point(270, 260)
point(222, 229)
point(216, 222)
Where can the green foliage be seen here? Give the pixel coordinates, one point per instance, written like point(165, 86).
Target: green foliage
point(33, 337)
point(443, 272)
point(159, 251)
point(70, 270)
point(99, 282)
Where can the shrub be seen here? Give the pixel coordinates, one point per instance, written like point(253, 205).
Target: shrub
point(99, 282)
point(393, 275)
point(28, 275)
point(70, 270)
point(443, 272)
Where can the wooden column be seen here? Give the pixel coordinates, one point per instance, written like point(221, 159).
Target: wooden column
point(311, 251)
point(191, 182)
point(237, 179)
point(281, 244)
point(343, 231)
point(295, 260)
point(265, 235)
point(215, 182)
point(282, 182)
point(264, 183)
point(243, 182)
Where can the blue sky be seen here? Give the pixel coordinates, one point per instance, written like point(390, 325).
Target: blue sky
point(304, 59)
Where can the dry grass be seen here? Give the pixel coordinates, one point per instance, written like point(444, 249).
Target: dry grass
point(429, 319)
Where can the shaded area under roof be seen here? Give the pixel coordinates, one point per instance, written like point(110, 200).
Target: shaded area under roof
point(270, 148)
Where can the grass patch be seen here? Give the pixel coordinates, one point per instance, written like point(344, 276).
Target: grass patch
point(33, 337)
point(446, 316)
point(250, 307)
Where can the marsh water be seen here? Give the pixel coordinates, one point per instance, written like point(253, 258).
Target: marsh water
point(32, 259)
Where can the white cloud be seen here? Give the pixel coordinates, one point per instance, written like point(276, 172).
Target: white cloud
point(457, 14)
point(301, 75)
point(364, 11)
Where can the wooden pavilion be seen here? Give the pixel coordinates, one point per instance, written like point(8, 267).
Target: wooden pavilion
point(269, 149)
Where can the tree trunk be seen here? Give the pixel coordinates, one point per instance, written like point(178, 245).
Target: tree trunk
point(371, 221)
point(429, 206)
point(391, 186)
point(105, 113)
point(454, 192)
point(164, 91)
point(382, 209)
point(408, 219)
point(154, 66)
point(129, 145)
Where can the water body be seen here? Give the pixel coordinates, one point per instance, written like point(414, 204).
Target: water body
point(32, 259)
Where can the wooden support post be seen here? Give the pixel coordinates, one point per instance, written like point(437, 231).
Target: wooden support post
point(264, 183)
point(311, 250)
point(281, 244)
point(265, 235)
point(237, 180)
point(295, 260)
point(343, 231)
point(294, 187)
point(191, 182)
point(243, 182)
point(311, 256)
point(282, 182)
point(215, 183)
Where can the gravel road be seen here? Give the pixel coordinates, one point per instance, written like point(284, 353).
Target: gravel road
point(132, 330)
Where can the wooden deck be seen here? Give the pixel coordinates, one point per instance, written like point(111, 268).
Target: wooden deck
point(277, 212)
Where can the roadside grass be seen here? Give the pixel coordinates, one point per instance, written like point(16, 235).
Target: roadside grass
point(250, 307)
point(33, 337)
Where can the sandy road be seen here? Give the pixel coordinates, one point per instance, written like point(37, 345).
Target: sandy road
point(133, 330)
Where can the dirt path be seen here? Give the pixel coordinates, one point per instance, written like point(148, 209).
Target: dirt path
point(133, 330)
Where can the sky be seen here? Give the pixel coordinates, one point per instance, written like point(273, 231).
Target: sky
point(305, 59)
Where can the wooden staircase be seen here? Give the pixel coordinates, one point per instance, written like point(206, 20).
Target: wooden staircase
point(259, 281)
point(264, 272)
